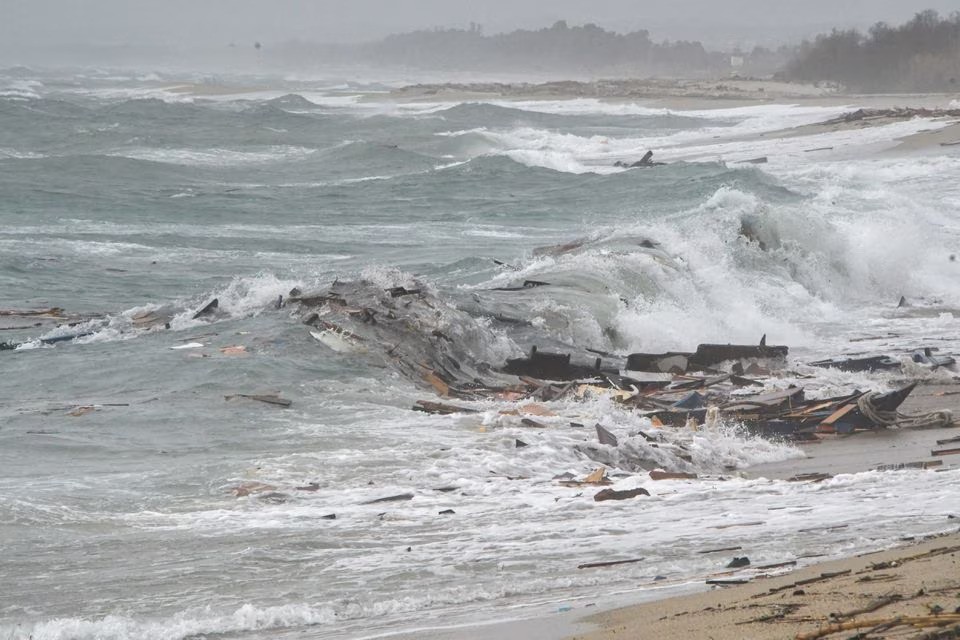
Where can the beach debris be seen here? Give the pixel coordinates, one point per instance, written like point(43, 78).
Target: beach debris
point(613, 494)
point(645, 161)
point(234, 350)
point(605, 437)
point(945, 452)
point(397, 498)
point(440, 408)
point(82, 410)
point(707, 356)
point(598, 476)
point(552, 366)
point(208, 309)
point(739, 562)
point(329, 516)
point(609, 563)
point(399, 292)
point(267, 398)
point(527, 284)
point(657, 474)
point(722, 549)
point(727, 582)
point(446, 512)
point(923, 356)
point(189, 345)
point(519, 444)
point(923, 464)
point(410, 329)
point(810, 477)
point(534, 409)
point(48, 312)
point(914, 622)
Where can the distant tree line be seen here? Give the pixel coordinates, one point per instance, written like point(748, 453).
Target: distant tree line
point(921, 55)
point(557, 48)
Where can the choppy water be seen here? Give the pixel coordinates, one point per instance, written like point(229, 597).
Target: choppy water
point(119, 195)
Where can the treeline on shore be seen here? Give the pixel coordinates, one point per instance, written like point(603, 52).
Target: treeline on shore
point(559, 49)
point(920, 55)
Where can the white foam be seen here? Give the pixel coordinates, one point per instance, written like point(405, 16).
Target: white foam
point(215, 157)
point(195, 622)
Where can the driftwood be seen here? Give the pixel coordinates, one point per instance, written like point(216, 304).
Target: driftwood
point(594, 565)
point(266, 398)
point(613, 494)
point(915, 621)
point(397, 498)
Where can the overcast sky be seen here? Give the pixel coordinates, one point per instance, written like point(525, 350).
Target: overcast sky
point(217, 22)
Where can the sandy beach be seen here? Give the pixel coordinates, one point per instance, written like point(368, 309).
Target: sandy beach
point(919, 581)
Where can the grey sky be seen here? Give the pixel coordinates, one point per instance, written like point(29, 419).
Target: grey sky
point(216, 22)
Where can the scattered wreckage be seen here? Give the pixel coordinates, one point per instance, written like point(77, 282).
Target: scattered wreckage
point(433, 343)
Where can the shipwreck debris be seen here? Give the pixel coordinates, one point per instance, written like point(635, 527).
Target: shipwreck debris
point(706, 357)
point(645, 161)
point(266, 398)
point(613, 494)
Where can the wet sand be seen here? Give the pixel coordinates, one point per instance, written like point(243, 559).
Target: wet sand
point(911, 581)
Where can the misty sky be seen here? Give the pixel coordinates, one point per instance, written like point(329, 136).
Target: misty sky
point(185, 23)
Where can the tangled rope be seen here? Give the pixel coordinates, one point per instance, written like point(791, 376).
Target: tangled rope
point(901, 420)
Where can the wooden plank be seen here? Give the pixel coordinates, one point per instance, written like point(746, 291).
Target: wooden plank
point(945, 452)
point(594, 565)
point(839, 413)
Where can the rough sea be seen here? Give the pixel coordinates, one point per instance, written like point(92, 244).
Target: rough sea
point(123, 193)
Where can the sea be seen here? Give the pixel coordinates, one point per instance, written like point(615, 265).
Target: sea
point(141, 498)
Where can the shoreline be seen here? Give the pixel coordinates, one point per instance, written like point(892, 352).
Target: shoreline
point(670, 94)
point(909, 581)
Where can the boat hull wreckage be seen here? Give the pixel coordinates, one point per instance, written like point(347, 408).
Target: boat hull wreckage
point(436, 344)
point(465, 350)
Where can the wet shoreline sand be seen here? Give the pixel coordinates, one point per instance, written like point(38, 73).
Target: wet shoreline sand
point(915, 580)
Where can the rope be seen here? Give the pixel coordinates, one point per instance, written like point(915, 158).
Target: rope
point(901, 420)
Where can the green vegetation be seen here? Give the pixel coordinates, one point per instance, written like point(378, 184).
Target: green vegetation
point(921, 55)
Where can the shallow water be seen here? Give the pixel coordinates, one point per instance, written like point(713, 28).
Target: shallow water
point(118, 196)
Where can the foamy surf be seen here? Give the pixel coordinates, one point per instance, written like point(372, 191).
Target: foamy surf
point(138, 455)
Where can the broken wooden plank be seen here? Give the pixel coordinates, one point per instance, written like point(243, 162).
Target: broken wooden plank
point(267, 398)
point(397, 498)
point(836, 415)
point(945, 452)
point(612, 563)
point(922, 464)
point(722, 549)
point(440, 408)
point(656, 474)
point(737, 524)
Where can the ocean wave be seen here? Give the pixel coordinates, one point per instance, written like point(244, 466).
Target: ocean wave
point(215, 157)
